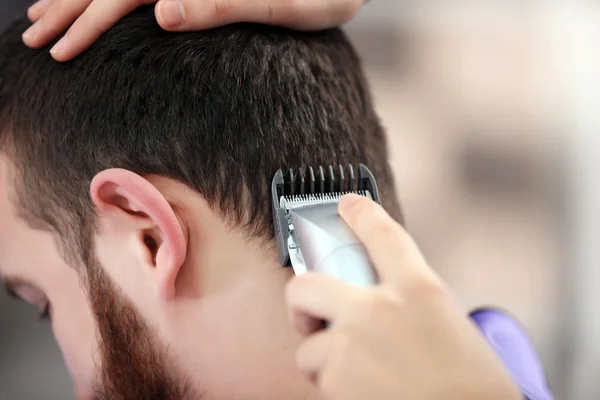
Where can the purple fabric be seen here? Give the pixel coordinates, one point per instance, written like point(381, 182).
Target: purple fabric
point(513, 346)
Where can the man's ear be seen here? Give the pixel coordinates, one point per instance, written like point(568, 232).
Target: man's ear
point(130, 202)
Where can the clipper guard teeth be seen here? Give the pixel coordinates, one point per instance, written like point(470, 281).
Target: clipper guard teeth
point(314, 180)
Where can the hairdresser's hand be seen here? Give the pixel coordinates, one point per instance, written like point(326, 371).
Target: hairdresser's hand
point(404, 339)
point(88, 19)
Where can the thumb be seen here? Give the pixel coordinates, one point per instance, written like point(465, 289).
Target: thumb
point(191, 15)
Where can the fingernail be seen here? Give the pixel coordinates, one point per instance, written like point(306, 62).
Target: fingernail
point(31, 32)
point(59, 47)
point(349, 199)
point(171, 13)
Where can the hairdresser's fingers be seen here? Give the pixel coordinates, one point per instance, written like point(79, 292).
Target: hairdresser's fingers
point(97, 19)
point(313, 355)
point(185, 15)
point(38, 9)
point(394, 254)
point(320, 297)
point(59, 15)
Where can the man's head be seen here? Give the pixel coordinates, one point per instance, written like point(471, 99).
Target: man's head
point(134, 197)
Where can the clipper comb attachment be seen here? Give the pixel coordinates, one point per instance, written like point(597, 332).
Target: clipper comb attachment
point(309, 180)
point(309, 186)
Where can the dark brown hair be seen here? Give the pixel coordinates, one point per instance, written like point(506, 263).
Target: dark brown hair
point(220, 110)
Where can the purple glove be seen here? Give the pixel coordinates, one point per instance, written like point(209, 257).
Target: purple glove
point(513, 346)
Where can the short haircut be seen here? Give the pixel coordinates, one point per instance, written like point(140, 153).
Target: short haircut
point(219, 110)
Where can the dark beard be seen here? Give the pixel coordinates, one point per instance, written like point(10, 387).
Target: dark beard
point(134, 365)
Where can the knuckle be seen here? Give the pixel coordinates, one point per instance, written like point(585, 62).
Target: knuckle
point(366, 310)
point(284, 4)
point(222, 8)
point(387, 301)
point(369, 219)
point(367, 306)
point(380, 228)
point(64, 9)
point(382, 307)
point(53, 16)
point(59, 7)
point(389, 310)
point(385, 226)
point(270, 16)
point(288, 8)
point(425, 286)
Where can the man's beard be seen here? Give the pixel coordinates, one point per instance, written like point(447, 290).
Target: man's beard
point(134, 364)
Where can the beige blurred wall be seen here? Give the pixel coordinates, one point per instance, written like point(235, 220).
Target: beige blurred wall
point(474, 107)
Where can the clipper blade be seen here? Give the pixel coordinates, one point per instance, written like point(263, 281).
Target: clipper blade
point(302, 200)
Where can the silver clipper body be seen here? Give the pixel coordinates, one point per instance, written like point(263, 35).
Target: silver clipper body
point(311, 236)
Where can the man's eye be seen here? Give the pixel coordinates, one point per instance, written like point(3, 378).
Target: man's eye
point(45, 314)
point(30, 294)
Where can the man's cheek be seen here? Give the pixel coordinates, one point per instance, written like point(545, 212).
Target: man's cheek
point(83, 393)
point(75, 331)
point(79, 357)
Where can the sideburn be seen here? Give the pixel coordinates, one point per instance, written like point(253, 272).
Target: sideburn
point(134, 366)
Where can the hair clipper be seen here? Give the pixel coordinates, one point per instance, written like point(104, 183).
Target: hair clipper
point(311, 236)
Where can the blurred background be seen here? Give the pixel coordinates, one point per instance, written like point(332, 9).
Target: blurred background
point(492, 110)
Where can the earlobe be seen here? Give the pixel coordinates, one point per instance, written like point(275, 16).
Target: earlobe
point(124, 194)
